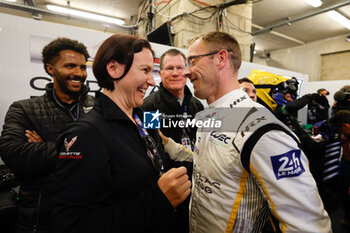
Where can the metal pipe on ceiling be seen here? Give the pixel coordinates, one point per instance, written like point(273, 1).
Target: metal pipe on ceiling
point(289, 21)
point(281, 35)
point(35, 10)
point(35, 15)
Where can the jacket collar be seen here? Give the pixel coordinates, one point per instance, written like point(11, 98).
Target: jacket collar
point(49, 91)
point(111, 110)
point(167, 96)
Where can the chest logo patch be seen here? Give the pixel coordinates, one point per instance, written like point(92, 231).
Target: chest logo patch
point(287, 164)
point(87, 109)
point(70, 143)
point(68, 154)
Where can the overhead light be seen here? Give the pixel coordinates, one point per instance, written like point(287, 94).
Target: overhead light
point(84, 14)
point(314, 3)
point(10, 0)
point(336, 16)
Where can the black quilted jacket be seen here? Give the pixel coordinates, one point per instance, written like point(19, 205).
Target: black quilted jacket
point(33, 163)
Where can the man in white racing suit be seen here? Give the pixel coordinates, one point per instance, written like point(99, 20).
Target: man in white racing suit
point(238, 184)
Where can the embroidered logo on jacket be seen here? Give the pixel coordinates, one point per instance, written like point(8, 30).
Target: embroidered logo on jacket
point(69, 144)
point(87, 109)
point(67, 154)
point(287, 164)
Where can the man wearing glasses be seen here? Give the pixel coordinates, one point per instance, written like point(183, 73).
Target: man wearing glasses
point(176, 103)
point(250, 170)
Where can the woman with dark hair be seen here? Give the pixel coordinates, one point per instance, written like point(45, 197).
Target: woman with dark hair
point(109, 175)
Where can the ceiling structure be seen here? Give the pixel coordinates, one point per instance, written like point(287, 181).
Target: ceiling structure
point(114, 8)
point(313, 25)
point(276, 24)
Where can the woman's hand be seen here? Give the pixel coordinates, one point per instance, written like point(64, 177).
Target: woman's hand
point(175, 185)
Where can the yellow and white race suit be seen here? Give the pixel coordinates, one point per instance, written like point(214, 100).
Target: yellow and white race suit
point(226, 197)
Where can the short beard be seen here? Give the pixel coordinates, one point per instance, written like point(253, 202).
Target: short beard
point(61, 83)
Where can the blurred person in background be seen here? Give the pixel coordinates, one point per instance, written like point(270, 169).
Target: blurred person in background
point(341, 99)
point(318, 111)
point(341, 121)
point(248, 86)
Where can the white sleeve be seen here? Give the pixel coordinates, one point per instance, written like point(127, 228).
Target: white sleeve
point(178, 152)
point(282, 172)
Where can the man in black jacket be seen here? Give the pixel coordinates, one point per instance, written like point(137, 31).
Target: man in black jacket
point(176, 103)
point(317, 112)
point(27, 142)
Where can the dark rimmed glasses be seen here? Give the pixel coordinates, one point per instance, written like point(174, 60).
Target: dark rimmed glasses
point(190, 58)
point(153, 154)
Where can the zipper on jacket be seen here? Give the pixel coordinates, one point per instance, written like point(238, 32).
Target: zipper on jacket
point(67, 110)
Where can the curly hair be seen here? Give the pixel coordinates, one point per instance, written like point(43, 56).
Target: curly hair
point(52, 50)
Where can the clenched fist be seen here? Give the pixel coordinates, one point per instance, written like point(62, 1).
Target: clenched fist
point(175, 185)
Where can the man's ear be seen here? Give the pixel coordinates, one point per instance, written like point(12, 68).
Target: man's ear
point(50, 69)
point(223, 58)
point(115, 69)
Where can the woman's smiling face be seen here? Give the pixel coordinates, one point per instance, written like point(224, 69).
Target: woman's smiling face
point(133, 86)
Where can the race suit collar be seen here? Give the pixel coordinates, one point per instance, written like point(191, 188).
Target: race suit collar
point(226, 100)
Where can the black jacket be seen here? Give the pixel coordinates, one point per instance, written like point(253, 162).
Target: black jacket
point(33, 163)
point(105, 181)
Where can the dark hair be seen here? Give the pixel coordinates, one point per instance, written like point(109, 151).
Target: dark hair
point(342, 116)
point(118, 47)
point(322, 89)
point(345, 88)
point(245, 80)
point(52, 50)
point(170, 52)
point(216, 41)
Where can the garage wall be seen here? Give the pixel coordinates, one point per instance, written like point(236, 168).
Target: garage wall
point(335, 66)
point(307, 58)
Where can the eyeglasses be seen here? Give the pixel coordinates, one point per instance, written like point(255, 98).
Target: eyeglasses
point(153, 154)
point(190, 58)
point(172, 68)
